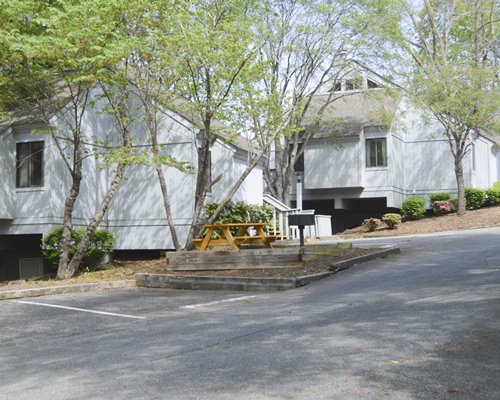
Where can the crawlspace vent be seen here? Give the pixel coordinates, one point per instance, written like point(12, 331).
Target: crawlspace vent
point(30, 267)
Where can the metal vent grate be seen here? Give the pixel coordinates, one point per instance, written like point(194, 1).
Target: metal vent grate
point(30, 267)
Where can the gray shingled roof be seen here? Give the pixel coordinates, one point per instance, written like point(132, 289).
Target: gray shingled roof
point(184, 108)
point(20, 117)
point(35, 114)
point(346, 114)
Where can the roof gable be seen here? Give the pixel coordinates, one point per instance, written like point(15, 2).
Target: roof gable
point(347, 114)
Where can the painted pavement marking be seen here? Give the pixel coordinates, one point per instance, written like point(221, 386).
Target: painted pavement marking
point(213, 303)
point(79, 309)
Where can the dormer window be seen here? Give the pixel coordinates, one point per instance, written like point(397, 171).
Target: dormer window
point(337, 87)
point(353, 84)
point(372, 84)
point(356, 82)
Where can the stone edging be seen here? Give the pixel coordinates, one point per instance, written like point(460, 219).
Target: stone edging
point(243, 283)
point(62, 289)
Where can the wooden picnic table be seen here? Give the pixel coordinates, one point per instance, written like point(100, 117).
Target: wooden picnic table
point(234, 241)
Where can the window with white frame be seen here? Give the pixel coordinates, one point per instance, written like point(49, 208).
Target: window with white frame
point(29, 164)
point(376, 152)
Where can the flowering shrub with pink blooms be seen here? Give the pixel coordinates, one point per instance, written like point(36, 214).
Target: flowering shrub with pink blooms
point(442, 207)
point(372, 223)
point(392, 220)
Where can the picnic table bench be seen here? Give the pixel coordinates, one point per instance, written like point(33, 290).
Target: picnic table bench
point(227, 238)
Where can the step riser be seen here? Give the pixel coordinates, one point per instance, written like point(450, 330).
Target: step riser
point(244, 259)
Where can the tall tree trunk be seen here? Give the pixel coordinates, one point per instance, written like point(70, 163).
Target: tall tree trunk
point(202, 184)
point(151, 111)
point(459, 174)
point(249, 168)
point(278, 183)
point(195, 228)
point(62, 270)
point(164, 191)
point(77, 258)
point(76, 175)
point(235, 187)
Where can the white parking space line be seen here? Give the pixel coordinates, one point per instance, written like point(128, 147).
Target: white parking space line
point(213, 303)
point(78, 309)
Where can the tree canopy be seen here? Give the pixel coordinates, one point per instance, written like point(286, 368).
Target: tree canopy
point(446, 53)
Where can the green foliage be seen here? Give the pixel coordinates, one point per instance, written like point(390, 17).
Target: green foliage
point(441, 203)
point(239, 212)
point(445, 56)
point(413, 207)
point(132, 156)
point(372, 223)
point(100, 244)
point(475, 198)
point(263, 213)
point(208, 48)
point(441, 207)
point(496, 185)
point(454, 205)
point(45, 46)
point(493, 195)
point(392, 220)
point(441, 196)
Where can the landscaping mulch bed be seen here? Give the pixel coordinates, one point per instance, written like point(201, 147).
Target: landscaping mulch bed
point(320, 264)
point(124, 269)
point(483, 218)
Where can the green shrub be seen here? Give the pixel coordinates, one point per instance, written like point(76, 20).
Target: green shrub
point(263, 213)
point(413, 207)
point(441, 196)
point(496, 185)
point(442, 207)
point(239, 212)
point(101, 243)
point(372, 223)
point(493, 195)
point(454, 205)
point(392, 220)
point(474, 198)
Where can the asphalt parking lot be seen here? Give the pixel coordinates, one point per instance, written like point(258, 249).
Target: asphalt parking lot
point(122, 305)
point(422, 325)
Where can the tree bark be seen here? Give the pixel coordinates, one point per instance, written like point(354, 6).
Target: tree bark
point(122, 119)
point(69, 204)
point(234, 188)
point(147, 92)
point(459, 174)
point(77, 258)
point(76, 172)
point(164, 191)
point(201, 184)
point(195, 228)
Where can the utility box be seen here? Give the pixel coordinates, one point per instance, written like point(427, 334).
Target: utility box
point(301, 219)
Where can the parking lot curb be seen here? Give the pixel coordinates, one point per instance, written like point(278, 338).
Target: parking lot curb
point(63, 289)
point(198, 282)
point(384, 251)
